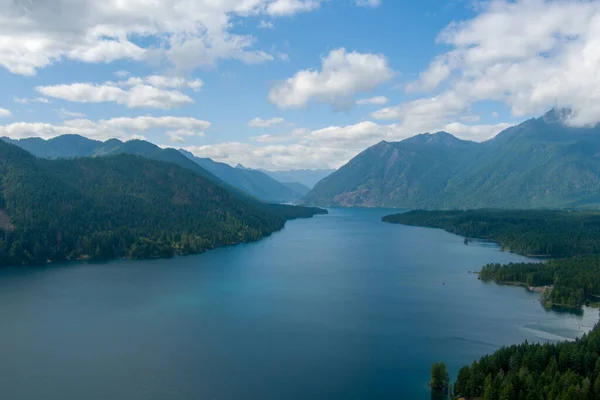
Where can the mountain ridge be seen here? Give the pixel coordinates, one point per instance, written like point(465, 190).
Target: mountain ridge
point(250, 182)
point(541, 162)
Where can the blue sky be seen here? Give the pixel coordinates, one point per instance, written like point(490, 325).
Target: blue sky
point(282, 84)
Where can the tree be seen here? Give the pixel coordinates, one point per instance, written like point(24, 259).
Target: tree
point(440, 378)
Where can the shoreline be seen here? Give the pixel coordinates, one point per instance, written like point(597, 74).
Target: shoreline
point(89, 259)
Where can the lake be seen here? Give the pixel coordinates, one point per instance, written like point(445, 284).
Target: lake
point(341, 306)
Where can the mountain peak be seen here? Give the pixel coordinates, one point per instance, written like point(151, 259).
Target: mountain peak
point(557, 115)
point(438, 138)
point(240, 166)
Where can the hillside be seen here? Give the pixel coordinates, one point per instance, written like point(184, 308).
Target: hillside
point(306, 177)
point(539, 163)
point(253, 183)
point(120, 206)
point(551, 233)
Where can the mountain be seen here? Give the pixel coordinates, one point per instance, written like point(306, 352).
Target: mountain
point(120, 206)
point(297, 188)
point(306, 177)
point(65, 146)
point(253, 182)
point(539, 163)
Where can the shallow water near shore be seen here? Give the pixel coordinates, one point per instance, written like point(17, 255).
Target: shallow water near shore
point(340, 306)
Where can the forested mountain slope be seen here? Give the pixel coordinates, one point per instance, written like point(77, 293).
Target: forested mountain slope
point(120, 206)
point(539, 163)
point(251, 182)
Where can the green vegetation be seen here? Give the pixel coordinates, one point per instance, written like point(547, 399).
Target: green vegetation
point(440, 379)
point(575, 280)
point(530, 232)
point(120, 206)
point(561, 371)
point(539, 163)
point(251, 182)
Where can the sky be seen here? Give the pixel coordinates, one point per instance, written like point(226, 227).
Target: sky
point(288, 84)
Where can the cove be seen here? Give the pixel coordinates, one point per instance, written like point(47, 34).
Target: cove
point(340, 306)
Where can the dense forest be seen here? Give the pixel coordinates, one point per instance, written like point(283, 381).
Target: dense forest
point(560, 371)
point(529, 232)
point(575, 280)
point(120, 206)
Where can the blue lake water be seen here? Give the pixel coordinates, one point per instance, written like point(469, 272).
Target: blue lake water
point(341, 306)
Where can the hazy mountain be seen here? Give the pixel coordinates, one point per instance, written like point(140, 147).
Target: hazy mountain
point(297, 187)
point(120, 206)
point(253, 182)
point(539, 163)
point(307, 177)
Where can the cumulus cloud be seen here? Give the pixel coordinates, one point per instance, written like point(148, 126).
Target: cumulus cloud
point(377, 100)
point(265, 123)
point(151, 91)
point(281, 137)
point(332, 146)
point(343, 74)
point(180, 135)
point(4, 112)
point(530, 54)
point(291, 7)
point(36, 34)
point(123, 128)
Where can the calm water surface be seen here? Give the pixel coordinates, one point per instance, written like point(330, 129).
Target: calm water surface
point(341, 306)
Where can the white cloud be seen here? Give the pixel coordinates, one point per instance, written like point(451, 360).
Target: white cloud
point(495, 114)
point(377, 100)
point(501, 55)
point(179, 135)
point(121, 128)
point(368, 3)
point(24, 100)
point(272, 156)
point(436, 108)
point(4, 112)
point(342, 75)
point(122, 74)
point(67, 114)
point(332, 146)
point(173, 82)
point(291, 7)
point(476, 133)
point(150, 91)
point(36, 34)
point(281, 137)
point(470, 118)
point(265, 123)
point(265, 25)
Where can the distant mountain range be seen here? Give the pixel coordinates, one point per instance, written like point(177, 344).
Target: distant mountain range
point(253, 182)
point(121, 205)
point(539, 163)
point(306, 177)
